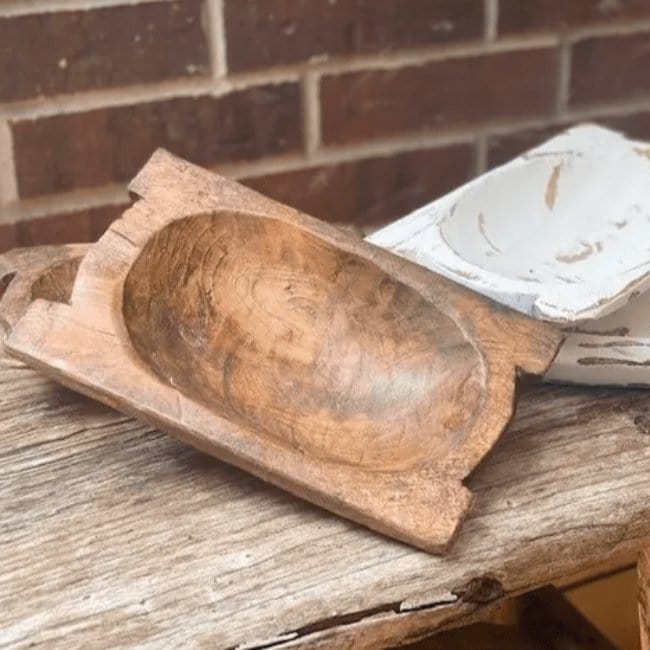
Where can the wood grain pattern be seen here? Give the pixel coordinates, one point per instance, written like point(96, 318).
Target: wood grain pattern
point(336, 370)
point(643, 569)
point(113, 534)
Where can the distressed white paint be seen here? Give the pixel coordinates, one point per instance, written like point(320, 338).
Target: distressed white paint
point(561, 233)
point(614, 349)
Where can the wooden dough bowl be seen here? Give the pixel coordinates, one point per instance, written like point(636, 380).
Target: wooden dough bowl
point(334, 369)
point(559, 233)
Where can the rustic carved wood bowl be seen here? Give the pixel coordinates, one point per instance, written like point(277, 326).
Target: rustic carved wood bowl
point(275, 342)
point(560, 233)
point(285, 333)
point(27, 274)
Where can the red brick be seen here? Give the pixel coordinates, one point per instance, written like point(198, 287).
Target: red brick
point(69, 227)
point(61, 52)
point(441, 94)
point(7, 237)
point(516, 16)
point(66, 152)
point(270, 32)
point(373, 190)
point(610, 69)
point(57, 229)
point(634, 125)
point(503, 148)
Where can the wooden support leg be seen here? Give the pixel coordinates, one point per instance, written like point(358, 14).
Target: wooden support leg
point(643, 568)
point(545, 620)
point(555, 624)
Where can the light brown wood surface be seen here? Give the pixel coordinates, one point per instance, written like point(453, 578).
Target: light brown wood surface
point(355, 379)
point(27, 274)
point(114, 534)
point(643, 569)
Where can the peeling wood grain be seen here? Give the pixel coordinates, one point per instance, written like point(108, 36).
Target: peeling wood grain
point(481, 227)
point(598, 329)
point(586, 249)
point(614, 344)
point(550, 197)
point(612, 361)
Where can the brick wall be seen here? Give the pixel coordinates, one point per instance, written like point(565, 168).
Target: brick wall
point(353, 110)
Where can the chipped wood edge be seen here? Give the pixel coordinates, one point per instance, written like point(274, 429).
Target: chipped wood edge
point(398, 624)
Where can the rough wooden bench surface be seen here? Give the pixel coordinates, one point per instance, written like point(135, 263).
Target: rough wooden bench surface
point(112, 533)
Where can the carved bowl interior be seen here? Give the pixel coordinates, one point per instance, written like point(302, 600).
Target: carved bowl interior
point(56, 283)
point(5, 281)
point(300, 342)
point(53, 284)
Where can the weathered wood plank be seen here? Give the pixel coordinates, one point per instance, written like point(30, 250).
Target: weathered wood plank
point(112, 533)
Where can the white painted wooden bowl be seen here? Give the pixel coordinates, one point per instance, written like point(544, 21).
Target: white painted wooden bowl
point(561, 233)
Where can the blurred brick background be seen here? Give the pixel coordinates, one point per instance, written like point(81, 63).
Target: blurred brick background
point(353, 110)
